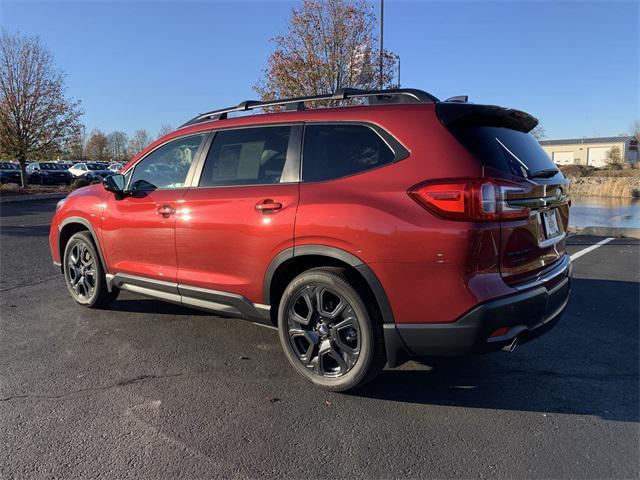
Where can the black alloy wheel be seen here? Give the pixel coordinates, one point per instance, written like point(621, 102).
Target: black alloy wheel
point(328, 333)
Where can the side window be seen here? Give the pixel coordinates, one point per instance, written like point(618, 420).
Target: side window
point(167, 166)
point(334, 151)
point(247, 156)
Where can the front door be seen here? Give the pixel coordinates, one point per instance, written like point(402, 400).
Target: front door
point(139, 229)
point(242, 212)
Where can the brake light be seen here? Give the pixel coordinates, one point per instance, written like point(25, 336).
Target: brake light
point(475, 199)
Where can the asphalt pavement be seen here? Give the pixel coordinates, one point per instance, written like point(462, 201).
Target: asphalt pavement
point(153, 390)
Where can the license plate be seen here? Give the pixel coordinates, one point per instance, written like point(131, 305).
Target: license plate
point(550, 220)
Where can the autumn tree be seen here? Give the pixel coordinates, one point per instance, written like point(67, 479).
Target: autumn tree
point(140, 140)
point(329, 44)
point(97, 146)
point(36, 117)
point(117, 143)
point(164, 130)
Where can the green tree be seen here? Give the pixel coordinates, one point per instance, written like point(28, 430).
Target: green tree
point(37, 119)
point(329, 44)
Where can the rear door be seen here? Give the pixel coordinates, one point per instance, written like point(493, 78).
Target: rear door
point(242, 212)
point(499, 138)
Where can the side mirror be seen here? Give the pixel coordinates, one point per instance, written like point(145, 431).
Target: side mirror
point(115, 184)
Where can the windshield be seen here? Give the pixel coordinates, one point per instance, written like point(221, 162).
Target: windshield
point(505, 150)
point(8, 166)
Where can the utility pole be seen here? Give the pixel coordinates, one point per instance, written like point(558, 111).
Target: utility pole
point(381, 44)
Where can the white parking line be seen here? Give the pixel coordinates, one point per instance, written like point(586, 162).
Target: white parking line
point(584, 251)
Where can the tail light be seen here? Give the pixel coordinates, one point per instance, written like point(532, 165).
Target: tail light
point(471, 199)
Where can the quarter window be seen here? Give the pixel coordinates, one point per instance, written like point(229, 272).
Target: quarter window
point(247, 156)
point(334, 151)
point(167, 166)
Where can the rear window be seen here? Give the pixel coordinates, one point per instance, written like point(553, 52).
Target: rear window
point(505, 150)
point(334, 151)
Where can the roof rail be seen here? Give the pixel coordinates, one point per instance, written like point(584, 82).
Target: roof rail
point(374, 97)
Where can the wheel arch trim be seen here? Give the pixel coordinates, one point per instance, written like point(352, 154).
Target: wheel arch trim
point(337, 254)
point(85, 223)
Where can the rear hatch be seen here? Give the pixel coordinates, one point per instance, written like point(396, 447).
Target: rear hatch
point(533, 243)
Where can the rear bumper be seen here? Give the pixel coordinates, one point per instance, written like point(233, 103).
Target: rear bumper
point(526, 315)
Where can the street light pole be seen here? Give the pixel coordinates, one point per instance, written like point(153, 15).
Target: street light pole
point(381, 44)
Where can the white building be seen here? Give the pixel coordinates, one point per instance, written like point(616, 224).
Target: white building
point(590, 151)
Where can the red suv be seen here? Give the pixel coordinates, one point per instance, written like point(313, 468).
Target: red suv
point(400, 227)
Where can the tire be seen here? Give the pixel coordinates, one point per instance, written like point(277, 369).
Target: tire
point(83, 273)
point(339, 326)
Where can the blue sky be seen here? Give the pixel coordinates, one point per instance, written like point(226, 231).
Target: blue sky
point(574, 64)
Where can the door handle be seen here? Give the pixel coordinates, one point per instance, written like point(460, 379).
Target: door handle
point(267, 205)
point(166, 211)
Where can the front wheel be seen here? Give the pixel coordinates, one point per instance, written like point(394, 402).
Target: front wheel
point(83, 273)
point(327, 332)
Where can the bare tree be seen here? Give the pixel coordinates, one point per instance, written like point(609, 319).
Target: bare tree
point(635, 129)
point(36, 118)
point(613, 156)
point(74, 146)
point(330, 44)
point(164, 130)
point(539, 132)
point(140, 140)
point(117, 146)
point(98, 146)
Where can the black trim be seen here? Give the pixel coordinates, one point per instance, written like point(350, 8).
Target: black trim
point(211, 300)
point(338, 254)
point(527, 315)
point(85, 223)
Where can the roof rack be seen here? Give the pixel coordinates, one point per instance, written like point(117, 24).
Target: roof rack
point(375, 97)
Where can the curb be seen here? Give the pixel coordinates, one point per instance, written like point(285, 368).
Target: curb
point(31, 198)
point(616, 232)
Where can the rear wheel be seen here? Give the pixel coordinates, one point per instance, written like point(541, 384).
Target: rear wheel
point(83, 273)
point(327, 332)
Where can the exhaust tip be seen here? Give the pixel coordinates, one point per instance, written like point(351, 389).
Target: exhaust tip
point(512, 346)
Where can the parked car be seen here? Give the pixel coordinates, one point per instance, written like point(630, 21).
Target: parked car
point(92, 171)
point(407, 227)
point(115, 166)
point(10, 173)
point(48, 173)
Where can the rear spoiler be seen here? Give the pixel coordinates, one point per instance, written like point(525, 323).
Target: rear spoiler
point(456, 115)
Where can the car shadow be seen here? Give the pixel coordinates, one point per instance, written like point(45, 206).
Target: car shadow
point(148, 305)
point(587, 365)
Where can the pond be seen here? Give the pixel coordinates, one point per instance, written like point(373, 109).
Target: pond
point(604, 212)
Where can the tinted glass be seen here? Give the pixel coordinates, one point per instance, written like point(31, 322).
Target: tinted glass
point(9, 166)
point(496, 147)
point(334, 151)
point(167, 166)
point(248, 156)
